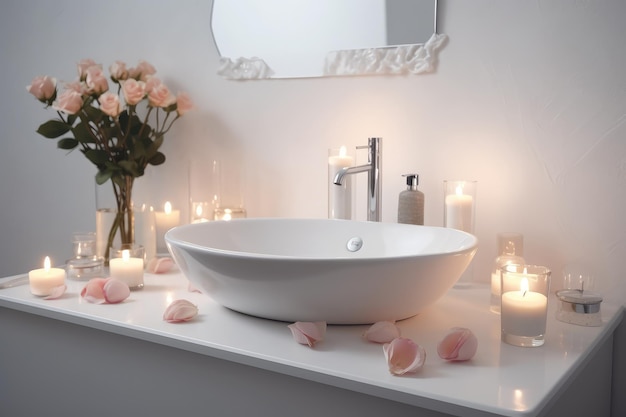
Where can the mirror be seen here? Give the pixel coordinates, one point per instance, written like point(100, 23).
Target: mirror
point(260, 39)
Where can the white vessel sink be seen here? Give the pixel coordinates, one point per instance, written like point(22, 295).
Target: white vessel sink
point(338, 271)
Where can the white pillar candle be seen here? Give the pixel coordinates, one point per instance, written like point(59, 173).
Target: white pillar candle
point(127, 269)
point(42, 281)
point(339, 196)
point(459, 209)
point(523, 313)
point(165, 220)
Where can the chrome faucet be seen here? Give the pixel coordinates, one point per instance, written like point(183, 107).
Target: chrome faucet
point(374, 177)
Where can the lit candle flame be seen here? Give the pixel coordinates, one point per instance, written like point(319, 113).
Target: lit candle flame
point(46, 264)
point(524, 286)
point(125, 255)
point(459, 189)
point(199, 210)
point(343, 151)
point(167, 207)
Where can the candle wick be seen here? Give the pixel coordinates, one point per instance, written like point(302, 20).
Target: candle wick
point(524, 293)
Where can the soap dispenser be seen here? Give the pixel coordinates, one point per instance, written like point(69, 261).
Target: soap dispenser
point(411, 202)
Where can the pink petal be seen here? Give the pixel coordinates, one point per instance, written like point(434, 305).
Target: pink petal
point(404, 356)
point(460, 344)
point(57, 292)
point(308, 333)
point(94, 291)
point(382, 332)
point(115, 291)
point(191, 288)
point(179, 311)
point(160, 265)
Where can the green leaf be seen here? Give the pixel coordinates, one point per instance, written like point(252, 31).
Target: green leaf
point(130, 167)
point(82, 133)
point(67, 143)
point(157, 159)
point(96, 156)
point(52, 129)
point(103, 176)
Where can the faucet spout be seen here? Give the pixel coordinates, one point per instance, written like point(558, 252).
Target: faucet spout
point(374, 178)
point(339, 177)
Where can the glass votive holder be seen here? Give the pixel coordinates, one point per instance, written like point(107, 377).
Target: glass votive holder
point(459, 205)
point(510, 251)
point(339, 196)
point(201, 211)
point(85, 264)
point(126, 263)
point(524, 304)
point(229, 213)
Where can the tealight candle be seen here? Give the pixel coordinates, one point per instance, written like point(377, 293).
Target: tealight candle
point(165, 220)
point(42, 281)
point(339, 196)
point(524, 308)
point(128, 269)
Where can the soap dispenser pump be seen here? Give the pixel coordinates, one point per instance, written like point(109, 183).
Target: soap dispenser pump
point(411, 202)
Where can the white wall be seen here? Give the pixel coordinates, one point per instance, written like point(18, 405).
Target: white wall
point(529, 100)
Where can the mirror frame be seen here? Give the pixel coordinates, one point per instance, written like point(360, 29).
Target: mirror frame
point(408, 59)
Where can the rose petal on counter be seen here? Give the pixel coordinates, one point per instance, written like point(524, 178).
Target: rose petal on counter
point(382, 332)
point(191, 288)
point(308, 333)
point(404, 356)
point(115, 291)
point(57, 292)
point(160, 265)
point(93, 291)
point(179, 311)
point(460, 344)
point(105, 290)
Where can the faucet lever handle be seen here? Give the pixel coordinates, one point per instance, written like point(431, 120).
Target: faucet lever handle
point(363, 147)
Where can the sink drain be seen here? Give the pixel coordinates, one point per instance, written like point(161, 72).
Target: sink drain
point(354, 244)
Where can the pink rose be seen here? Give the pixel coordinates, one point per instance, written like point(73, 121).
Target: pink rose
point(96, 81)
point(160, 96)
point(118, 71)
point(77, 86)
point(82, 67)
point(183, 103)
point(110, 104)
point(43, 88)
point(69, 102)
point(134, 91)
point(142, 71)
point(152, 82)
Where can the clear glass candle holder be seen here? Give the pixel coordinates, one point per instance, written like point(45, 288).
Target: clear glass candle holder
point(510, 251)
point(524, 304)
point(127, 264)
point(459, 205)
point(340, 197)
point(85, 264)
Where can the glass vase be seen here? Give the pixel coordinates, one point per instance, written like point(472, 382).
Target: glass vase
point(120, 222)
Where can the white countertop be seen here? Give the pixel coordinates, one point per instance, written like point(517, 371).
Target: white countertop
point(514, 381)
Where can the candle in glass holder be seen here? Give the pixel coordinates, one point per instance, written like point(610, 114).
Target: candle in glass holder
point(42, 281)
point(165, 220)
point(127, 265)
point(339, 196)
point(524, 304)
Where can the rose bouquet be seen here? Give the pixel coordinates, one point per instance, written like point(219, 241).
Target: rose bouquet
point(119, 132)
